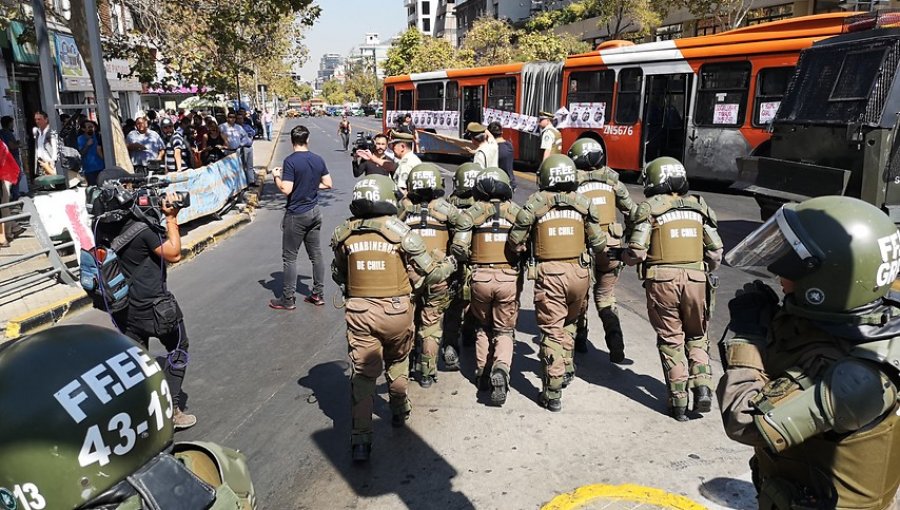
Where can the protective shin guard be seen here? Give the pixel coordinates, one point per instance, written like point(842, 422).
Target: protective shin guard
point(551, 353)
point(362, 390)
point(612, 329)
point(398, 383)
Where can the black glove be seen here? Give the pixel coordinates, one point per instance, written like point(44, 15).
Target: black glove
point(752, 309)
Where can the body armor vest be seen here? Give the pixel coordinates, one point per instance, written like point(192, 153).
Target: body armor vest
point(489, 238)
point(556, 148)
point(861, 469)
point(676, 237)
point(375, 268)
point(435, 233)
point(603, 196)
point(559, 235)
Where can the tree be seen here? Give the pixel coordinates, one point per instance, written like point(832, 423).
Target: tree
point(728, 14)
point(548, 46)
point(362, 82)
point(334, 92)
point(417, 53)
point(402, 52)
point(629, 18)
point(490, 41)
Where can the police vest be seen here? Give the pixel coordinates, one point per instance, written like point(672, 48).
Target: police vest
point(676, 237)
point(430, 225)
point(375, 268)
point(489, 234)
point(556, 147)
point(559, 234)
point(862, 469)
point(603, 196)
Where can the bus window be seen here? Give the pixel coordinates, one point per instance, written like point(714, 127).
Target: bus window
point(405, 100)
point(452, 96)
point(502, 94)
point(629, 101)
point(389, 100)
point(722, 96)
point(771, 84)
point(591, 87)
point(430, 96)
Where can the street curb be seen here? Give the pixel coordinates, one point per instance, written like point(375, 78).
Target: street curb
point(55, 312)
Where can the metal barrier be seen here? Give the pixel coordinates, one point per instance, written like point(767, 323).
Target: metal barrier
point(57, 268)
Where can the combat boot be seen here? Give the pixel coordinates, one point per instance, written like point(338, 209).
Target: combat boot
point(482, 380)
point(552, 404)
point(612, 330)
point(702, 399)
point(425, 381)
point(679, 413)
point(581, 336)
point(451, 358)
point(399, 420)
point(500, 385)
point(361, 452)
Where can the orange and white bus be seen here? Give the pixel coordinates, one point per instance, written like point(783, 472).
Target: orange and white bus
point(704, 100)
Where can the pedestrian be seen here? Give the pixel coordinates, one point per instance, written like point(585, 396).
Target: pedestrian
point(402, 145)
point(9, 176)
point(143, 144)
point(551, 138)
point(304, 174)
point(407, 126)
point(601, 185)
point(46, 145)
point(562, 227)
point(267, 120)
point(8, 136)
point(812, 379)
point(344, 131)
point(214, 144)
point(374, 162)
point(236, 137)
point(481, 242)
point(372, 251)
point(243, 121)
point(91, 149)
point(173, 153)
point(427, 213)
point(505, 152)
point(674, 239)
point(486, 155)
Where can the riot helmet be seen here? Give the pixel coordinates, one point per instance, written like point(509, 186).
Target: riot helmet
point(557, 173)
point(664, 175)
point(492, 184)
point(375, 195)
point(89, 410)
point(464, 179)
point(840, 252)
point(425, 183)
point(586, 153)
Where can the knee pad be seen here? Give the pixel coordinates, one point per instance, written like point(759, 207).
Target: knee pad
point(398, 370)
point(361, 387)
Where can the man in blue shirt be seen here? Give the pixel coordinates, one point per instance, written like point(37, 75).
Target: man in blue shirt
point(304, 174)
point(246, 123)
point(91, 150)
point(143, 144)
point(237, 138)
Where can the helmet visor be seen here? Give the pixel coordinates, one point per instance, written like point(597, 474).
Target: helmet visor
point(777, 245)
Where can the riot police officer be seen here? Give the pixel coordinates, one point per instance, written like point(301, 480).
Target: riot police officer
point(561, 225)
point(428, 214)
point(495, 282)
point(374, 254)
point(674, 239)
point(812, 382)
point(458, 322)
point(601, 185)
point(92, 429)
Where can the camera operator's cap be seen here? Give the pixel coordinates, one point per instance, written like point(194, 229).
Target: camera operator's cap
point(400, 137)
point(545, 115)
point(166, 122)
point(475, 128)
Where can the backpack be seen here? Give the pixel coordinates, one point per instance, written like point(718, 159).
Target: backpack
point(101, 271)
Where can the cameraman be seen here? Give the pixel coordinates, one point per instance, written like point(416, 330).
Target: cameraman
point(152, 311)
point(374, 162)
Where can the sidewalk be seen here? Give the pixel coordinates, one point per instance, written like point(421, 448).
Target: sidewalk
point(48, 301)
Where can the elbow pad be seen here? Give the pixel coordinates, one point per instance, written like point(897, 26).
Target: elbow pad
point(640, 236)
point(711, 239)
point(462, 241)
point(596, 237)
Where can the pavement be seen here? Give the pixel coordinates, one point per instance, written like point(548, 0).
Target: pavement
point(49, 301)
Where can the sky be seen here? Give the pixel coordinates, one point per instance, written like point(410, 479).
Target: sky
point(343, 25)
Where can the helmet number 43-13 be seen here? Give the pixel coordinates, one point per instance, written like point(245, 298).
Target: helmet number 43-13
point(26, 493)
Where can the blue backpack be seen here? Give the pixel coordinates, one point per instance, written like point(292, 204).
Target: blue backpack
point(101, 271)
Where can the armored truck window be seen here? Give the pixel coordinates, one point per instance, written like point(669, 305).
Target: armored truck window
point(771, 84)
point(722, 97)
point(628, 104)
point(858, 73)
point(389, 100)
point(591, 87)
point(502, 94)
point(405, 100)
point(430, 96)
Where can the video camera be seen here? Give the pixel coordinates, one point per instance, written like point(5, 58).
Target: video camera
point(115, 198)
point(363, 142)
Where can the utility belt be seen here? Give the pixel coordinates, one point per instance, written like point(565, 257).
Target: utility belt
point(648, 271)
point(533, 269)
point(498, 265)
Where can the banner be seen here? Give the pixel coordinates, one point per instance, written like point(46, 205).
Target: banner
point(510, 120)
point(582, 115)
point(427, 119)
point(211, 186)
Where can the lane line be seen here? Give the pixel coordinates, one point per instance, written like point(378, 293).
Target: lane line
point(625, 492)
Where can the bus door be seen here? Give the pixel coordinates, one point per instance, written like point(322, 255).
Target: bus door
point(472, 106)
point(665, 115)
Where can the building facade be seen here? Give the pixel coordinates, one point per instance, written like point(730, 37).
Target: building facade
point(445, 23)
point(421, 14)
point(331, 65)
point(372, 52)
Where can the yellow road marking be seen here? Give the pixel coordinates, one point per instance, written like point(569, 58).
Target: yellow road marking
point(625, 492)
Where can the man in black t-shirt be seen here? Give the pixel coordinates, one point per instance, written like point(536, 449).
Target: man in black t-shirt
point(505, 152)
point(375, 162)
point(152, 311)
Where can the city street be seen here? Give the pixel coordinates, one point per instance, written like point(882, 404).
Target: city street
point(274, 385)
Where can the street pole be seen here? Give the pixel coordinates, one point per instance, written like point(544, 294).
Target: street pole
point(48, 73)
point(101, 85)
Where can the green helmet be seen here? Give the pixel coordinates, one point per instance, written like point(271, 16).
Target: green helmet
point(464, 178)
point(557, 173)
point(840, 252)
point(86, 408)
point(664, 175)
point(425, 182)
point(587, 153)
point(375, 195)
point(492, 183)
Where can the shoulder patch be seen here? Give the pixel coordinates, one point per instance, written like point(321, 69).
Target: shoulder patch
point(394, 229)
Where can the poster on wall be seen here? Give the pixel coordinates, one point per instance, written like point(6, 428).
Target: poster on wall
point(726, 113)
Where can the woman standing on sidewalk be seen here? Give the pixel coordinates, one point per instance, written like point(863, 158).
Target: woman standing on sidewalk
point(344, 131)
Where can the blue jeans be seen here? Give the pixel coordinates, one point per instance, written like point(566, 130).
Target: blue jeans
point(248, 165)
point(300, 229)
point(269, 131)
